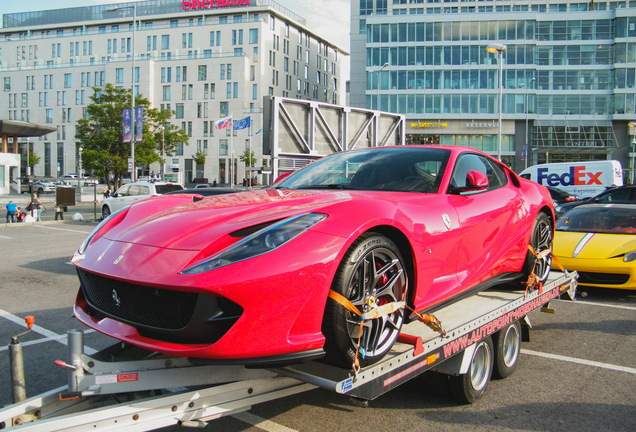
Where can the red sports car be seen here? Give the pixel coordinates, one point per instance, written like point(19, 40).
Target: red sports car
point(245, 277)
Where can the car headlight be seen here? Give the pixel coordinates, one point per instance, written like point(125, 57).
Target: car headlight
point(630, 256)
point(111, 220)
point(259, 243)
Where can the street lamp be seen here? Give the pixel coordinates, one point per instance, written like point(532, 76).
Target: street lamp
point(377, 102)
point(132, 86)
point(532, 81)
point(499, 49)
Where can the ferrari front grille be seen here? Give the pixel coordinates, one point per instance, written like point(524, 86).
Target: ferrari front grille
point(603, 278)
point(138, 304)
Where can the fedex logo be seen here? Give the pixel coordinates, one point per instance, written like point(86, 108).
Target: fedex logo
point(575, 177)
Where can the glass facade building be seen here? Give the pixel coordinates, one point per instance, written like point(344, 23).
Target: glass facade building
point(203, 64)
point(568, 75)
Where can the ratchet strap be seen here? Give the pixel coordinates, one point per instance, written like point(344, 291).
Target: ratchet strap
point(533, 279)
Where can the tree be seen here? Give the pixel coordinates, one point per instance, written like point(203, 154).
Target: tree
point(249, 160)
point(199, 158)
point(100, 134)
point(33, 159)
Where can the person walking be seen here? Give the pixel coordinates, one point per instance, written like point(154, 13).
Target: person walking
point(35, 204)
point(11, 211)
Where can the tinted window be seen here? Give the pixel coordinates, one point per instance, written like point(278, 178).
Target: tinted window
point(123, 191)
point(162, 189)
point(599, 219)
point(615, 195)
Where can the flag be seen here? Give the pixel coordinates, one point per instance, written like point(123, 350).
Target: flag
point(139, 123)
point(259, 131)
point(223, 123)
point(243, 123)
point(127, 125)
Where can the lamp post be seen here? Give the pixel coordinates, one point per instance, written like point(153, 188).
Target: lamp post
point(499, 49)
point(377, 102)
point(132, 87)
point(532, 81)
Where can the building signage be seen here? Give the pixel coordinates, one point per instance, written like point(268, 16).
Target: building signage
point(482, 125)
point(428, 125)
point(211, 4)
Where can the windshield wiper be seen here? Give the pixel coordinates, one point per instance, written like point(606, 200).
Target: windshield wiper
point(326, 186)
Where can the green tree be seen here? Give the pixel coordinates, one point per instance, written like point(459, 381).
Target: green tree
point(199, 158)
point(33, 160)
point(100, 134)
point(248, 158)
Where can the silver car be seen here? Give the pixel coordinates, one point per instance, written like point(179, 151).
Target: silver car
point(133, 192)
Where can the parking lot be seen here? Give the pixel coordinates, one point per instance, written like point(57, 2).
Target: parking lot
point(578, 372)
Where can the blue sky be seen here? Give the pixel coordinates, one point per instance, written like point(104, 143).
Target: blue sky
point(327, 18)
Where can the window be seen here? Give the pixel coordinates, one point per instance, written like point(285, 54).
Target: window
point(179, 108)
point(253, 36)
point(49, 115)
point(254, 91)
point(7, 83)
point(166, 93)
point(119, 75)
point(223, 147)
point(165, 42)
point(203, 72)
point(223, 108)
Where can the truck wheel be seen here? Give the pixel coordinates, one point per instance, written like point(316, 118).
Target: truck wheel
point(540, 240)
point(507, 344)
point(471, 386)
point(372, 273)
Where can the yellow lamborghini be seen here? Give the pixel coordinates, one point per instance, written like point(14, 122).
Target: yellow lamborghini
point(599, 242)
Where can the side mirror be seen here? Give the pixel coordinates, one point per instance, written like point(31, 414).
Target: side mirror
point(475, 181)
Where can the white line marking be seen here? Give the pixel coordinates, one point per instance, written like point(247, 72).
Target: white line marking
point(8, 238)
point(261, 423)
point(599, 304)
point(580, 361)
point(41, 330)
point(61, 229)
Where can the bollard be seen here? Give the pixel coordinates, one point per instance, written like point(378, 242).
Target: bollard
point(16, 365)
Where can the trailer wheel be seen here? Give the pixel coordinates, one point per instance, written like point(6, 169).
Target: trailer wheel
point(372, 273)
point(471, 386)
point(541, 240)
point(507, 344)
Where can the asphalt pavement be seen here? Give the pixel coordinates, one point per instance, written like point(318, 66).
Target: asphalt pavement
point(577, 373)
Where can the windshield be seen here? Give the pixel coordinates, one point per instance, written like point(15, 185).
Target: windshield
point(401, 169)
point(599, 219)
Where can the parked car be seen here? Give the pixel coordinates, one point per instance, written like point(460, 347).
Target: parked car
point(133, 192)
point(599, 242)
point(245, 277)
point(621, 194)
point(39, 187)
point(560, 196)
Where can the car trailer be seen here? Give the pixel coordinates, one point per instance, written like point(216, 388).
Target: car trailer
point(131, 389)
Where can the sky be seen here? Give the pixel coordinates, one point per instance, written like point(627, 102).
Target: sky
point(327, 18)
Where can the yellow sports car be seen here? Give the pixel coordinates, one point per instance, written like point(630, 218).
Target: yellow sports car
point(599, 242)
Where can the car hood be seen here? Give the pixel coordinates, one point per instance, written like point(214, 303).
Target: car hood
point(592, 246)
point(196, 225)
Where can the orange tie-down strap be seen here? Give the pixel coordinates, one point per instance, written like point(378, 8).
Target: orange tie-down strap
point(533, 279)
point(429, 319)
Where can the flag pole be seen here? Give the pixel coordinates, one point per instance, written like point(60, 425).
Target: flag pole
point(249, 155)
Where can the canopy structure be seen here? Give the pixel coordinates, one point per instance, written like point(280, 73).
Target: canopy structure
point(16, 129)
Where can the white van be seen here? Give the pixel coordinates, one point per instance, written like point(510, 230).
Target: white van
point(585, 179)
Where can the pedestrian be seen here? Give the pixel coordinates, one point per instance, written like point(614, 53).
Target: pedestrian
point(11, 211)
point(35, 204)
point(106, 191)
point(59, 211)
point(19, 214)
point(214, 183)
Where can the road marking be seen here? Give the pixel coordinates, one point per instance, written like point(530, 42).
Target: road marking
point(52, 336)
point(261, 423)
point(600, 304)
point(580, 361)
point(8, 238)
point(62, 229)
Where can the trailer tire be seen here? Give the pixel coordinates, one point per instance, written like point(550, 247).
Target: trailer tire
point(471, 386)
point(371, 273)
point(507, 343)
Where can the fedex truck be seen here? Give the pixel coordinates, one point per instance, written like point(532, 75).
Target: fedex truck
point(585, 179)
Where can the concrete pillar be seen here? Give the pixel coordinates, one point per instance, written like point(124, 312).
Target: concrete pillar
point(5, 143)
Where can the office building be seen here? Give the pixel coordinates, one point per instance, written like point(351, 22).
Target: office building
point(568, 74)
point(203, 60)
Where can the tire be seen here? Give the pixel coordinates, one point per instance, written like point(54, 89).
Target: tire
point(540, 240)
point(372, 273)
point(40, 191)
point(507, 343)
point(471, 386)
point(105, 212)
